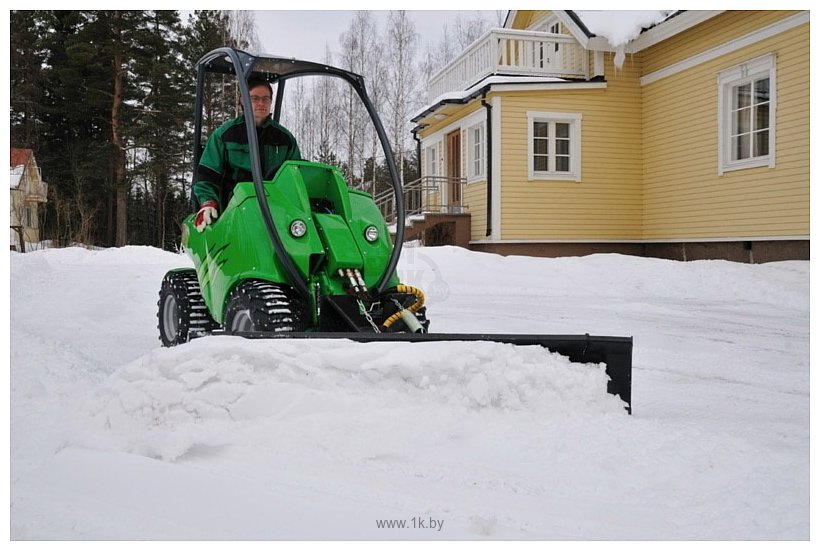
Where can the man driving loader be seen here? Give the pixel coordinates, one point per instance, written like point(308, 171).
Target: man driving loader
point(226, 158)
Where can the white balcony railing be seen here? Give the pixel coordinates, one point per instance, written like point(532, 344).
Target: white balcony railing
point(511, 52)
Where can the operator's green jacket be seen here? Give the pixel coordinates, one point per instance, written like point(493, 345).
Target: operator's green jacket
point(226, 159)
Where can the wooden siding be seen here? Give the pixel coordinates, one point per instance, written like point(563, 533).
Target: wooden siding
point(606, 203)
point(684, 197)
point(525, 18)
point(475, 198)
point(707, 35)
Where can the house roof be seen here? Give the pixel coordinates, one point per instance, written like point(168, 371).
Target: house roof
point(616, 26)
point(19, 160)
point(20, 156)
point(460, 97)
point(625, 30)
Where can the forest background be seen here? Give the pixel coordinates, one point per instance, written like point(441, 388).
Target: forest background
point(105, 100)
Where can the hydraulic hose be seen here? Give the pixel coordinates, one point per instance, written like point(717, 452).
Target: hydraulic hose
point(413, 308)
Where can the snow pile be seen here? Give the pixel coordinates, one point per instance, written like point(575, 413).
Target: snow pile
point(169, 401)
point(114, 437)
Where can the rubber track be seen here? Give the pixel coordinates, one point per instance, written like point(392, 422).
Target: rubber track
point(274, 305)
point(199, 317)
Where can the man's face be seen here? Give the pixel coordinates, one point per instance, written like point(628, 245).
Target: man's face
point(261, 100)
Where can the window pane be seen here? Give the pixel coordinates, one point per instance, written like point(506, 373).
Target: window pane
point(541, 129)
point(562, 147)
point(762, 117)
point(761, 90)
point(761, 144)
point(540, 163)
point(742, 96)
point(562, 164)
point(740, 147)
point(562, 130)
point(742, 121)
point(541, 147)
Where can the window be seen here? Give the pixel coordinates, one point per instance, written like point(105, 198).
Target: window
point(555, 29)
point(476, 146)
point(542, 50)
point(432, 160)
point(746, 111)
point(29, 222)
point(554, 146)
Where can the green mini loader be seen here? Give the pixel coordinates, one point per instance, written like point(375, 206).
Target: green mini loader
point(300, 255)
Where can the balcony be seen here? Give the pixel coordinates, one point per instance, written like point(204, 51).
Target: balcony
point(511, 52)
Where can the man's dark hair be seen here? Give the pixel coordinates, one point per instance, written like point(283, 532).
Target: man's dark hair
point(253, 82)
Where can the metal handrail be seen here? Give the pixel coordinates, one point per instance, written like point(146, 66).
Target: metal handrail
point(428, 194)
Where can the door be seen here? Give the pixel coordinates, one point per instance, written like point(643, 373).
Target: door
point(454, 170)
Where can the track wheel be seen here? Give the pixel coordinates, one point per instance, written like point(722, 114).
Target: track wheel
point(182, 312)
point(261, 306)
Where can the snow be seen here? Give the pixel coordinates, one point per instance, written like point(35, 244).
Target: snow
point(460, 95)
point(16, 173)
point(621, 26)
point(116, 438)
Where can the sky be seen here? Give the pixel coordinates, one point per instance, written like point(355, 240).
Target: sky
point(304, 34)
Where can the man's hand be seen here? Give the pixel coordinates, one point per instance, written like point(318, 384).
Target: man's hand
point(208, 212)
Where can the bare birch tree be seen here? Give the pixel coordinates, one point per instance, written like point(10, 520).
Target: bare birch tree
point(357, 54)
point(242, 29)
point(467, 30)
point(326, 94)
point(402, 42)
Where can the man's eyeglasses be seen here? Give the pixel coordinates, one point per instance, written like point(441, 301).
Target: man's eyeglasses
point(260, 99)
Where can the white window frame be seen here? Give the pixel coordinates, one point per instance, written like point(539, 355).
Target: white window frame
point(433, 159)
point(477, 152)
point(574, 121)
point(728, 80)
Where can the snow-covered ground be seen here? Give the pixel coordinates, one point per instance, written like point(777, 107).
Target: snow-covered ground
point(114, 437)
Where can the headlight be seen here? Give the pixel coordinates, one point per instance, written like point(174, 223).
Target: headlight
point(371, 233)
point(298, 228)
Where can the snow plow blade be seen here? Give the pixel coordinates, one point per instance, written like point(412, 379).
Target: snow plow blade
point(615, 352)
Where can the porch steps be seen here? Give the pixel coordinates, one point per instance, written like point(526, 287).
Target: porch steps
point(434, 229)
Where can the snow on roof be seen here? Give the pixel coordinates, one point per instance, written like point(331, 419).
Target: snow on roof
point(621, 26)
point(461, 95)
point(16, 175)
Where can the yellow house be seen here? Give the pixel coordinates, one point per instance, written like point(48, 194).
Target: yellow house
point(673, 134)
point(27, 191)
